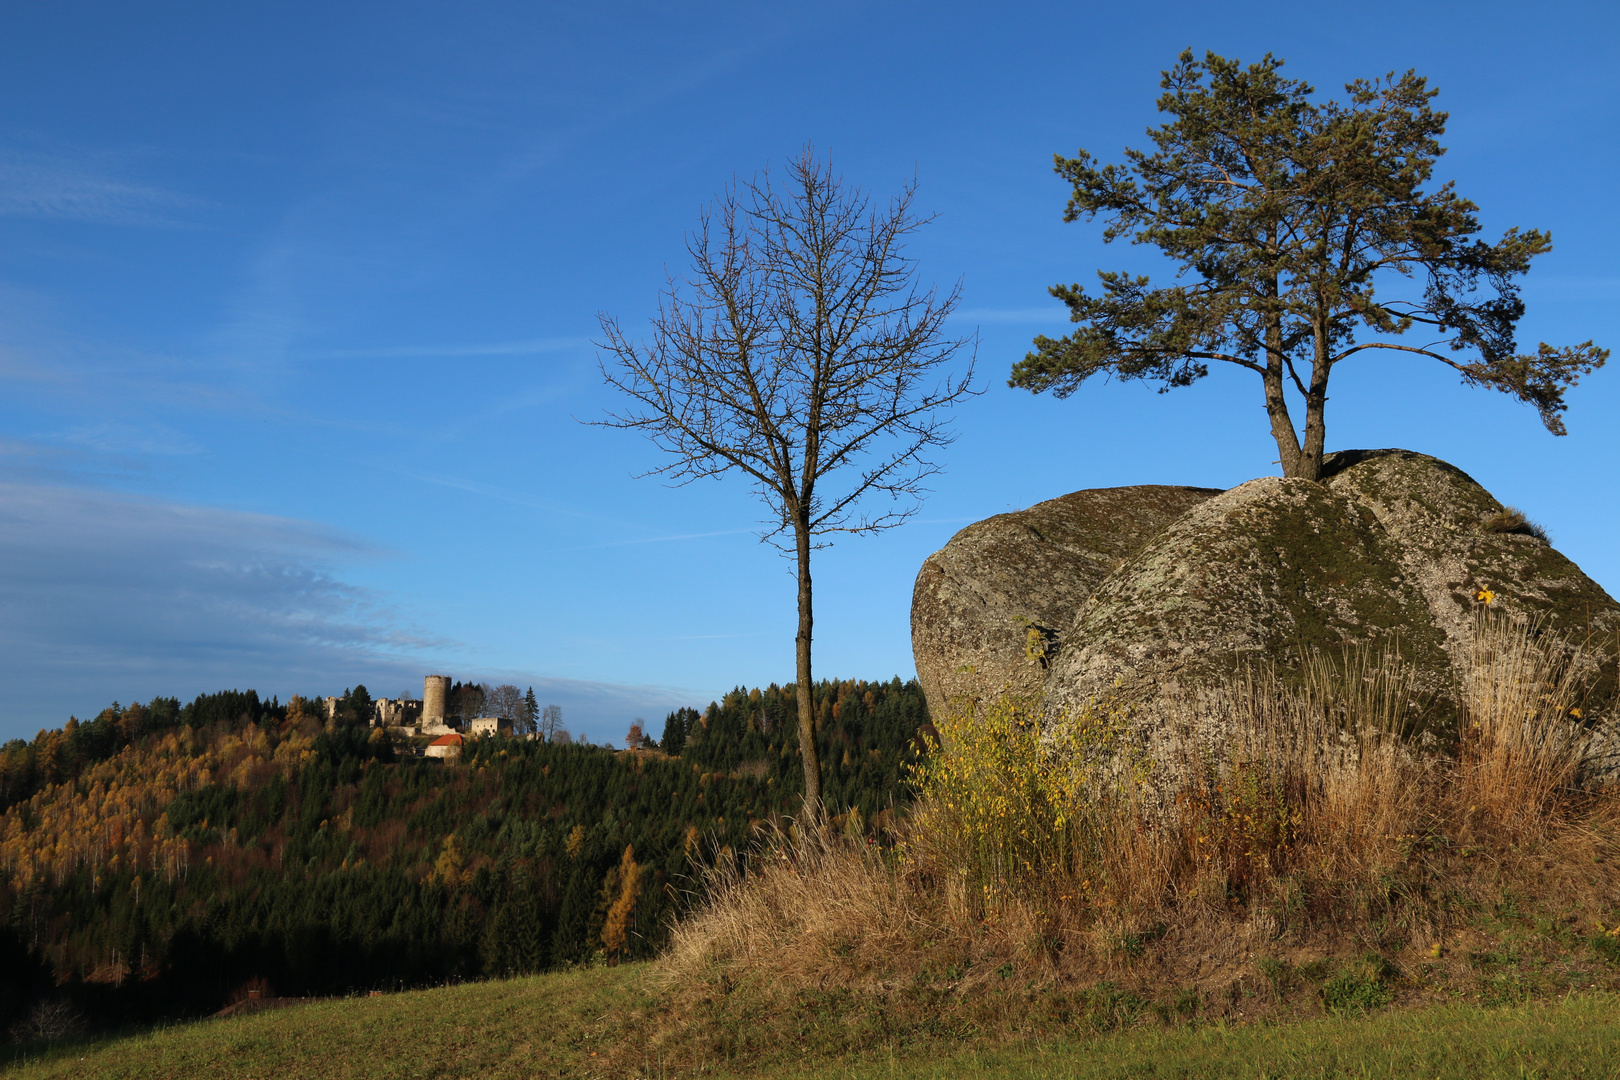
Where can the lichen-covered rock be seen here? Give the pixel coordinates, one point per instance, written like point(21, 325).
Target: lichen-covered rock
point(1448, 535)
point(1266, 571)
point(1134, 593)
point(998, 597)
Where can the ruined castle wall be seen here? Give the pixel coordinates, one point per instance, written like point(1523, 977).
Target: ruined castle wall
point(435, 691)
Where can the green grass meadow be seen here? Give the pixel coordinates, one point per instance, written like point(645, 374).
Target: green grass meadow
point(606, 1023)
point(537, 1026)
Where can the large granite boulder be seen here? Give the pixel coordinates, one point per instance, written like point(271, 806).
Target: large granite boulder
point(1268, 571)
point(1132, 593)
point(1455, 541)
point(991, 608)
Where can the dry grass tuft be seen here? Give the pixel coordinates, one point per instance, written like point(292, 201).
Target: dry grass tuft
point(1523, 747)
point(1511, 520)
point(804, 898)
point(1274, 817)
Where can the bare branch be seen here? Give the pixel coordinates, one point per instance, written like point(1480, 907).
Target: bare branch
point(800, 351)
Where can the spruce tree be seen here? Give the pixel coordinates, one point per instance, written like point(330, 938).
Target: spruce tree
point(531, 712)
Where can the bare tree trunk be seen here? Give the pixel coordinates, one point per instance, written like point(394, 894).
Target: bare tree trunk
point(1310, 458)
point(1310, 465)
point(807, 714)
point(799, 352)
point(1282, 425)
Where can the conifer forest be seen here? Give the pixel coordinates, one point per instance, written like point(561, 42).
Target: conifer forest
point(157, 859)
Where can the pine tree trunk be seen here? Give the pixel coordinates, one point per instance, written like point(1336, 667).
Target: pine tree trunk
point(1282, 425)
point(807, 718)
point(1310, 466)
point(1310, 457)
point(1289, 455)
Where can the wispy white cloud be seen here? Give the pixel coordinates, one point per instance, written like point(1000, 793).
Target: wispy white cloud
point(43, 356)
point(599, 114)
point(105, 596)
point(116, 438)
point(491, 491)
point(48, 186)
point(499, 348)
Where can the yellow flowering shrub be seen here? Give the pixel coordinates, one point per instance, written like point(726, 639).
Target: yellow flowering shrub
point(1018, 801)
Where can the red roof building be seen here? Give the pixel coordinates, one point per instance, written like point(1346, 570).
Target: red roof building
point(445, 746)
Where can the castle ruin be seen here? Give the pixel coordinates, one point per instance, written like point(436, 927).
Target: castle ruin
point(435, 692)
point(428, 716)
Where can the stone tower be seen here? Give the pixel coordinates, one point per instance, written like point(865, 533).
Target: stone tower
point(435, 689)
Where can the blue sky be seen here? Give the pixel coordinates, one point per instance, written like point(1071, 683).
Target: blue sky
point(297, 303)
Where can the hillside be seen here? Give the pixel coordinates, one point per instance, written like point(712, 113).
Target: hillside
point(156, 859)
point(608, 1022)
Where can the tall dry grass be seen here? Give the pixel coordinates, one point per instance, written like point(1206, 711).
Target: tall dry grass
point(1523, 745)
point(814, 892)
point(1305, 805)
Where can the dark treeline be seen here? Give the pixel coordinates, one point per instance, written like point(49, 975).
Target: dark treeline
point(156, 859)
point(867, 731)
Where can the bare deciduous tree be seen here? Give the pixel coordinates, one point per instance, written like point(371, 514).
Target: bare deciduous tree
point(505, 701)
point(49, 1021)
point(550, 724)
point(800, 351)
point(469, 701)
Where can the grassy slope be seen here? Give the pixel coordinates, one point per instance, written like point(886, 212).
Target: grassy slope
point(589, 1024)
point(546, 1025)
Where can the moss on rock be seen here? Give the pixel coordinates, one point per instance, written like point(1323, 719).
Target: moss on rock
point(1267, 571)
point(1136, 592)
point(998, 597)
point(1439, 518)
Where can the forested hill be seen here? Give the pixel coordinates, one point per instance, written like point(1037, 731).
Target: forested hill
point(156, 859)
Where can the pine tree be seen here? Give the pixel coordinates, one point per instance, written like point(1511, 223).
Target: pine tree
point(1283, 215)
